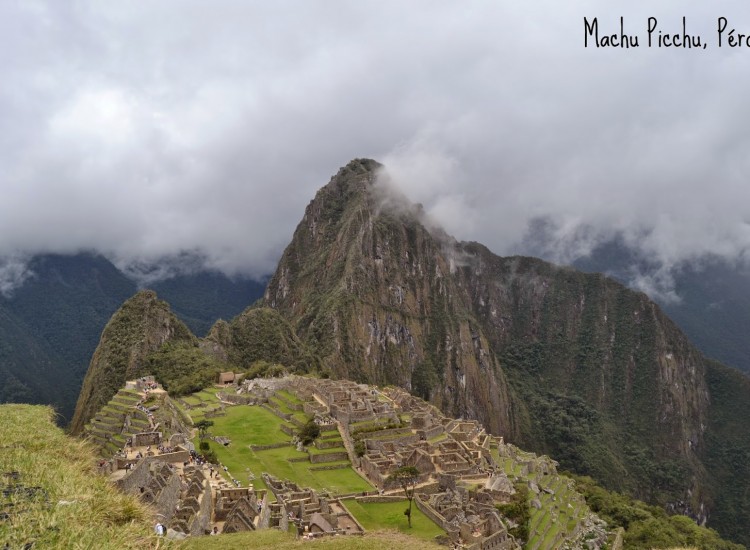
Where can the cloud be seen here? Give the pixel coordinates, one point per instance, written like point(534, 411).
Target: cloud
point(13, 273)
point(174, 129)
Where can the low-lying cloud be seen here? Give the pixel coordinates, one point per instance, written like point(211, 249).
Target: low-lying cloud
point(151, 131)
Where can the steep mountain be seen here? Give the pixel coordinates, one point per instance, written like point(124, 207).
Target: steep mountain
point(371, 290)
point(25, 370)
point(200, 298)
point(571, 364)
point(50, 326)
point(714, 299)
point(139, 328)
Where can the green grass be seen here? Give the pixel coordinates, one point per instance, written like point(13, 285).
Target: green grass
point(253, 425)
point(390, 515)
point(71, 507)
point(438, 438)
point(192, 400)
point(290, 397)
point(250, 425)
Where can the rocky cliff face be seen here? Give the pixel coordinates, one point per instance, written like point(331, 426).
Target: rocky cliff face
point(565, 333)
point(572, 364)
point(367, 287)
point(141, 326)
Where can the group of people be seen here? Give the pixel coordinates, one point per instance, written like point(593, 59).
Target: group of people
point(160, 529)
point(144, 410)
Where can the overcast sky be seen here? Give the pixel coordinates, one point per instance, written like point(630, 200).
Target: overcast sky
point(145, 129)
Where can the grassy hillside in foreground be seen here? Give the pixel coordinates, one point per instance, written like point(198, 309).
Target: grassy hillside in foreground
point(51, 496)
point(272, 538)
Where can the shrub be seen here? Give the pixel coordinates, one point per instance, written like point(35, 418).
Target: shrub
point(309, 432)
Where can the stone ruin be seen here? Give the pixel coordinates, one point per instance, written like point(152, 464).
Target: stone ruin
point(469, 516)
point(237, 507)
point(461, 467)
point(193, 511)
point(314, 515)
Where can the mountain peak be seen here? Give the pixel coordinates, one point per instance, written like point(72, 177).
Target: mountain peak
point(141, 326)
point(352, 182)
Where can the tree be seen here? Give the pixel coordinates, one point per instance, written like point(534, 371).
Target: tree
point(309, 432)
point(407, 477)
point(203, 427)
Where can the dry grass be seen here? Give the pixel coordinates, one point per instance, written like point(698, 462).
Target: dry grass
point(278, 540)
point(52, 496)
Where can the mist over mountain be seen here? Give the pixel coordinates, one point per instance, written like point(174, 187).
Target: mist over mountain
point(709, 299)
point(210, 142)
point(50, 325)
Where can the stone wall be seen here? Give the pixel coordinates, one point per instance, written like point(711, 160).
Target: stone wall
point(238, 399)
point(283, 416)
point(429, 433)
point(379, 445)
point(136, 478)
point(203, 518)
point(328, 457)
point(146, 438)
point(168, 497)
point(177, 456)
point(431, 513)
point(271, 446)
point(329, 467)
point(381, 498)
point(287, 429)
point(141, 476)
point(265, 515)
point(327, 443)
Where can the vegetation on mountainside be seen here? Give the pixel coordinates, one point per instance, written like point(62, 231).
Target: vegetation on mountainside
point(182, 368)
point(588, 357)
point(518, 511)
point(265, 369)
point(262, 334)
point(141, 326)
point(49, 327)
point(203, 297)
point(51, 496)
point(727, 451)
point(585, 440)
point(646, 526)
point(714, 305)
